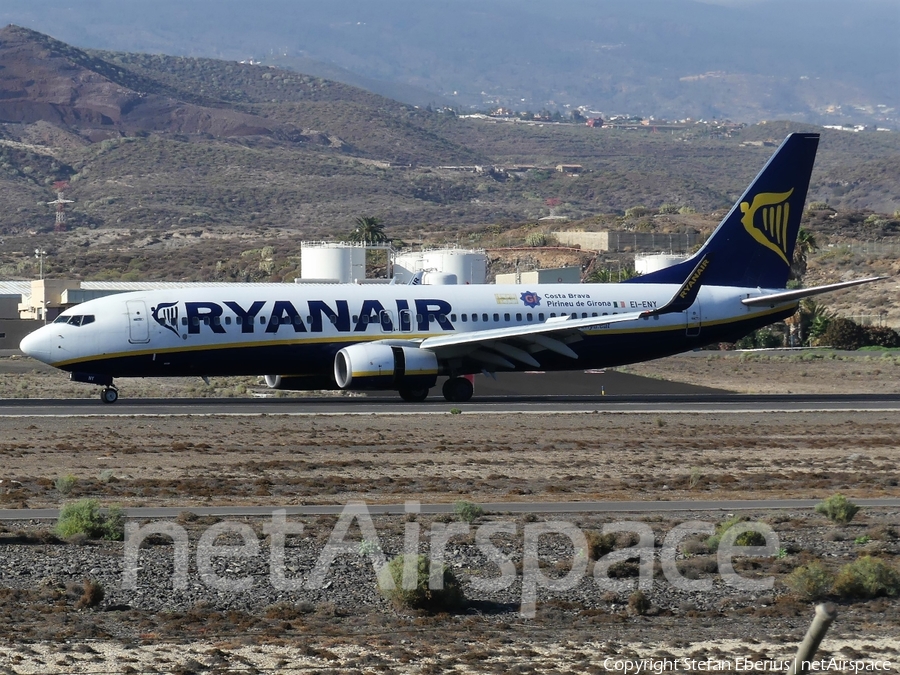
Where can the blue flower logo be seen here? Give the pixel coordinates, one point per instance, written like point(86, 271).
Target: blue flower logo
point(531, 299)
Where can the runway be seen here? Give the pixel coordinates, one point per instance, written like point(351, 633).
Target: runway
point(554, 392)
point(391, 405)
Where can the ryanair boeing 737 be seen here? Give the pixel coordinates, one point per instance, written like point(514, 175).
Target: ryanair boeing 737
point(403, 337)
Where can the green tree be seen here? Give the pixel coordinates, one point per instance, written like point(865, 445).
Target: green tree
point(843, 333)
point(368, 230)
point(806, 244)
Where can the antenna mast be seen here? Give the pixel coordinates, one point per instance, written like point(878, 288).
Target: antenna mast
point(60, 186)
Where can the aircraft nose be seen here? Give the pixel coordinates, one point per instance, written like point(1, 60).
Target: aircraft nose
point(37, 345)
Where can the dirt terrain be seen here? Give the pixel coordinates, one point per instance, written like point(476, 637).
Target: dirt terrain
point(346, 626)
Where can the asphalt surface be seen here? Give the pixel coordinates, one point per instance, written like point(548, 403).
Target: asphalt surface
point(659, 403)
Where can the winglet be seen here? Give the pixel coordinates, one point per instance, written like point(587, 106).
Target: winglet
point(687, 294)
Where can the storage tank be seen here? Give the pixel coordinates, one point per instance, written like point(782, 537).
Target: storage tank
point(406, 265)
point(651, 262)
point(332, 260)
point(468, 266)
point(439, 279)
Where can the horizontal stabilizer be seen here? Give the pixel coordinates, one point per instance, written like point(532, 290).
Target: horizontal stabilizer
point(800, 293)
point(687, 294)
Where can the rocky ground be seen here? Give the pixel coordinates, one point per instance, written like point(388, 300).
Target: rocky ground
point(339, 622)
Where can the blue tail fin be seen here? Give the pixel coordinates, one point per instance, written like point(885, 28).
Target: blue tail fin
point(754, 244)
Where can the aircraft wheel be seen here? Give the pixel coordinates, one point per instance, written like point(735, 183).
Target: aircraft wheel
point(458, 390)
point(414, 395)
point(109, 396)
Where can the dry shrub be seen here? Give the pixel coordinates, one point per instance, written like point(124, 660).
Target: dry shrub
point(92, 596)
point(838, 509)
point(867, 577)
point(638, 603)
point(810, 582)
point(598, 545)
point(420, 596)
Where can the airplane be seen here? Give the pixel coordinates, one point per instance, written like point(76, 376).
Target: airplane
point(403, 337)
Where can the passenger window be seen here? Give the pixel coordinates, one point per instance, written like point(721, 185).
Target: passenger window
point(195, 320)
point(541, 316)
point(419, 318)
point(552, 315)
point(453, 317)
point(297, 320)
point(430, 317)
point(364, 320)
point(518, 317)
point(239, 320)
point(465, 317)
point(474, 317)
point(484, 317)
point(593, 313)
point(529, 316)
point(506, 317)
point(184, 320)
point(217, 321)
point(333, 318)
point(262, 321)
point(205, 320)
point(355, 319)
point(442, 318)
point(227, 320)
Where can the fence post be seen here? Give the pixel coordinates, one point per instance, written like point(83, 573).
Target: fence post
point(825, 614)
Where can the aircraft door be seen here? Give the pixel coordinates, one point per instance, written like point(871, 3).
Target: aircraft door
point(387, 321)
point(138, 326)
point(694, 319)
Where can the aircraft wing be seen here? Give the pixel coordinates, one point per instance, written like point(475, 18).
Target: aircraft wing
point(800, 293)
point(501, 346)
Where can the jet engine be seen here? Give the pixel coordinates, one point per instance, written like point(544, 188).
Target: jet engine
point(299, 382)
point(382, 366)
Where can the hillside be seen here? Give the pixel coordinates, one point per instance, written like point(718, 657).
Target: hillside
point(200, 169)
point(812, 61)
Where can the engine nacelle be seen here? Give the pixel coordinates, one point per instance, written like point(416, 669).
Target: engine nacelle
point(381, 366)
point(299, 383)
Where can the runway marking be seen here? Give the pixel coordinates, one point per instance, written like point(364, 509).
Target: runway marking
point(371, 413)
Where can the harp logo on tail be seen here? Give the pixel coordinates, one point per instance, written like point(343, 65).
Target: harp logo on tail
point(766, 220)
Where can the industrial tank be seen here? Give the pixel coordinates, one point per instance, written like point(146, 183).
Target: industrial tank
point(468, 266)
point(651, 262)
point(332, 260)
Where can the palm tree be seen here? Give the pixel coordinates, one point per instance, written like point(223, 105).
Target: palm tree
point(806, 244)
point(368, 230)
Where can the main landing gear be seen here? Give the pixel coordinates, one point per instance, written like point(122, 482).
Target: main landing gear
point(414, 395)
point(455, 390)
point(109, 395)
point(458, 389)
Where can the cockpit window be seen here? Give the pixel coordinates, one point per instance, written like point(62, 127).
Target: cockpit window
point(75, 319)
